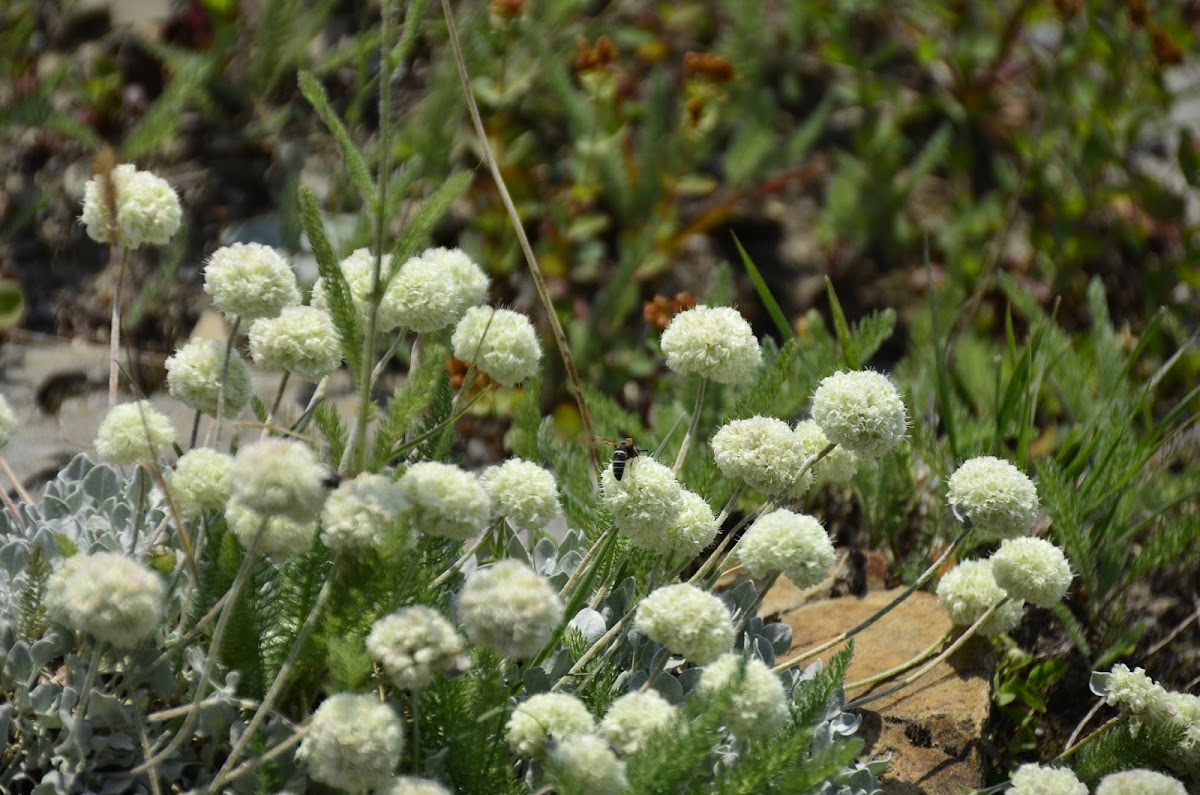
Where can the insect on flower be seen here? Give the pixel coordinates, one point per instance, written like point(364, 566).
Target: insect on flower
point(626, 450)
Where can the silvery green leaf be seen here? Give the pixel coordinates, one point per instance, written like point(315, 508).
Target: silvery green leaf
point(116, 786)
point(572, 541)
point(13, 557)
point(780, 636)
point(741, 599)
point(569, 562)
point(44, 650)
point(105, 711)
point(545, 554)
point(1100, 682)
point(846, 724)
point(761, 648)
point(516, 550)
point(19, 664)
point(121, 741)
point(668, 687)
point(162, 681)
point(618, 601)
point(43, 700)
point(590, 624)
point(535, 680)
point(689, 679)
point(54, 508)
point(636, 681)
point(6, 711)
point(559, 663)
point(101, 483)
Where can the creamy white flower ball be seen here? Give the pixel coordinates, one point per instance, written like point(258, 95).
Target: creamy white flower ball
point(8, 422)
point(423, 297)
point(469, 279)
point(693, 529)
point(1185, 711)
point(250, 280)
point(509, 351)
point(283, 537)
point(414, 645)
point(410, 785)
point(359, 271)
point(194, 377)
point(361, 513)
point(110, 597)
point(714, 342)
point(133, 432)
point(644, 501)
point(1037, 780)
point(994, 496)
point(1032, 569)
point(201, 481)
point(444, 500)
point(301, 340)
point(635, 716)
point(688, 621)
point(522, 492)
point(147, 208)
point(353, 743)
point(587, 762)
point(862, 411)
point(508, 608)
point(279, 477)
point(759, 707)
point(764, 453)
point(1134, 692)
point(839, 464)
point(969, 590)
point(1138, 782)
point(545, 717)
point(792, 543)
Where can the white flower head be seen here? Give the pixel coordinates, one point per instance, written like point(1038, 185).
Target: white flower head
point(694, 528)
point(423, 297)
point(508, 608)
point(361, 513)
point(301, 340)
point(1138, 782)
point(8, 422)
point(792, 543)
point(1037, 780)
point(147, 208)
point(587, 762)
point(201, 481)
point(1134, 692)
point(414, 645)
point(282, 537)
point(110, 597)
point(546, 717)
point(522, 492)
point(250, 280)
point(133, 432)
point(359, 270)
point(499, 342)
point(194, 377)
point(862, 411)
point(764, 453)
point(444, 500)
point(1032, 569)
point(644, 501)
point(635, 716)
point(410, 785)
point(278, 477)
point(838, 466)
point(713, 342)
point(353, 743)
point(759, 705)
point(994, 496)
point(969, 590)
point(688, 621)
point(469, 279)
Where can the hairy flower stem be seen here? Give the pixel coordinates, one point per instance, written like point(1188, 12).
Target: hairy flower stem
point(89, 680)
point(195, 430)
point(251, 765)
point(929, 666)
point(310, 622)
point(883, 611)
point(692, 424)
point(387, 357)
point(883, 676)
point(595, 649)
point(214, 431)
point(1093, 735)
point(283, 382)
point(466, 555)
point(118, 255)
point(587, 559)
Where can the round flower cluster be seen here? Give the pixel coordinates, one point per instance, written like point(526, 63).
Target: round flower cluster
point(1038, 780)
point(861, 411)
point(359, 270)
point(694, 528)
point(1032, 569)
point(546, 717)
point(444, 500)
point(194, 378)
point(1132, 691)
point(712, 342)
point(361, 513)
point(283, 537)
point(133, 432)
point(8, 422)
point(410, 785)
point(792, 543)
point(1138, 782)
point(522, 492)
point(506, 607)
point(470, 282)
point(423, 297)
point(839, 464)
point(969, 590)
point(353, 743)
point(279, 477)
point(644, 501)
point(415, 644)
point(499, 342)
point(994, 496)
point(112, 598)
point(201, 481)
point(587, 762)
point(147, 208)
point(250, 280)
point(301, 340)
point(635, 716)
point(764, 453)
point(688, 621)
point(759, 705)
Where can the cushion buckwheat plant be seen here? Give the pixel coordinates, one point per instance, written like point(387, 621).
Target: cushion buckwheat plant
point(147, 208)
point(862, 411)
point(500, 342)
point(250, 281)
point(763, 452)
point(994, 496)
point(353, 743)
point(713, 342)
point(688, 621)
point(510, 609)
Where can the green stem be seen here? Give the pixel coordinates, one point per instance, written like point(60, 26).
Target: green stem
point(883, 676)
point(215, 429)
point(120, 255)
point(692, 423)
point(587, 559)
point(466, 555)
